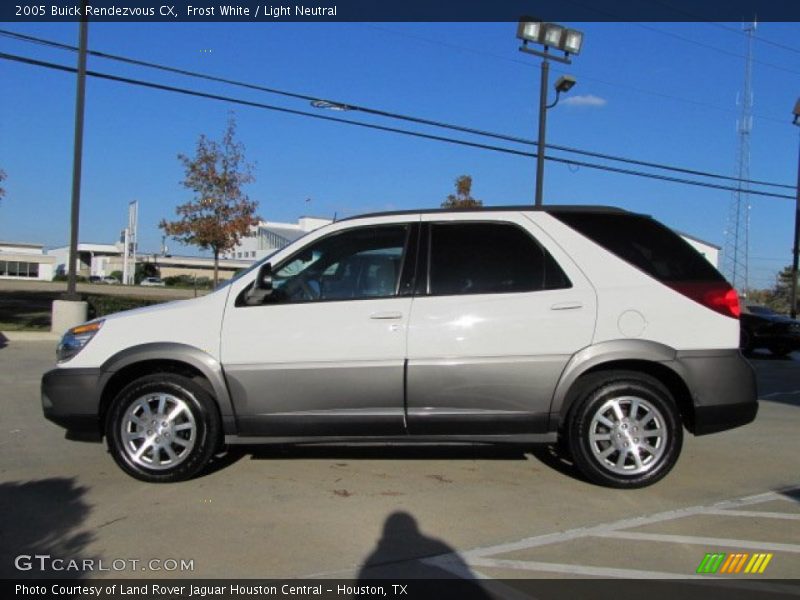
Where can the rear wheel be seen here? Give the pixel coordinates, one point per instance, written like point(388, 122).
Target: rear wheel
point(625, 430)
point(163, 427)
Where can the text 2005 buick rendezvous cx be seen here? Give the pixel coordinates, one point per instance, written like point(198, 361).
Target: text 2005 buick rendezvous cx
point(593, 326)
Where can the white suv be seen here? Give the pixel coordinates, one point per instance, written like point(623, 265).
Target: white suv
point(595, 327)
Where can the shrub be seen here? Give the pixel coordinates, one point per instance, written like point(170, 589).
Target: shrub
point(100, 306)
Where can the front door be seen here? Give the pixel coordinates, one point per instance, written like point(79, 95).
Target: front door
point(324, 355)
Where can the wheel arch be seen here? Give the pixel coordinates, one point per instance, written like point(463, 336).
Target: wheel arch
point(642, 356)
point(134, 362)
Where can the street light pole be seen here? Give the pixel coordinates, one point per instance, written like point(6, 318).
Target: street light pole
point(796, 247)
point(542, 127)
point(555, 36)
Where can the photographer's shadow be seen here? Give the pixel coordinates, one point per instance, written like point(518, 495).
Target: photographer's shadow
point(403, 552)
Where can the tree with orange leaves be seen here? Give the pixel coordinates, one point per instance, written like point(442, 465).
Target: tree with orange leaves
point(463, 196)
point(221, 212)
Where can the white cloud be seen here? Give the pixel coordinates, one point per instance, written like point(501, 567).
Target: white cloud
point(586, 100)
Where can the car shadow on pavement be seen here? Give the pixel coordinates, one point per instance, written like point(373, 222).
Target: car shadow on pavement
point(43, 517)
point(793, 494)
point(549, 455)
point(403, 552)
point(411, 451)
point(3, 341)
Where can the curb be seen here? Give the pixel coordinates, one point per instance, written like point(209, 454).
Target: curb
point(29, 336)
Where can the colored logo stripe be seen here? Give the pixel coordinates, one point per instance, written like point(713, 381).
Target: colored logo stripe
point(720, 562)
point(758, 563)
point(711, 563)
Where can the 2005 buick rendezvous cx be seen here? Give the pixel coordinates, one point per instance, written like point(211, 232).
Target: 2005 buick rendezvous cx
point(593, 326)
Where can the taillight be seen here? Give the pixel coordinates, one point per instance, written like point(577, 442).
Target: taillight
point(716, 295)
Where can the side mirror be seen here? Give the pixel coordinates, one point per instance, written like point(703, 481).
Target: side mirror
point(262, 286)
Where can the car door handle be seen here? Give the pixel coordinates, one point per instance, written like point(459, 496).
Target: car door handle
point(566, 305)
point(386, 316)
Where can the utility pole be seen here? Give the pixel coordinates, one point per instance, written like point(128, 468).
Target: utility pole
point(796, 246)
point(70, 310)
point(77, 154)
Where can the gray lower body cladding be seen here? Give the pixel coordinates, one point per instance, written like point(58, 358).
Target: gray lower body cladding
point(723, 388)
point(71, 398)
point(721, 383)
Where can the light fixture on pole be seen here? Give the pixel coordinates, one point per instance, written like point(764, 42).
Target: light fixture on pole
point(796, 245)
point(330, 105)
point(552, 37)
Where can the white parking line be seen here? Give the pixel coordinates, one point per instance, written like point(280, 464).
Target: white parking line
point(532, 565)
point(702, 541)
point(754, 513)
point(554, 538)
point(483, 557)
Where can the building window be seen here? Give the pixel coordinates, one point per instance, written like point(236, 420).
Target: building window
point(13, 268)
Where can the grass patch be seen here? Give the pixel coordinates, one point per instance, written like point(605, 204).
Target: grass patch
point(32, 310)
point(26, 311)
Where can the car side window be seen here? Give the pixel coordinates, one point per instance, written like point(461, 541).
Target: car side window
point(487, 258)
point(356, 264)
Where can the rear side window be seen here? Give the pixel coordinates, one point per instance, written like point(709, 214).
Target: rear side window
point(644, 243)
point(486, 258)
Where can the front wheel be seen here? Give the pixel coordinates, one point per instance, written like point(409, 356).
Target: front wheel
point(625, 429)
point(162, 428)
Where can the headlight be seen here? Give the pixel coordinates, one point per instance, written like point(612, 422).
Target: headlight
point(75, 339)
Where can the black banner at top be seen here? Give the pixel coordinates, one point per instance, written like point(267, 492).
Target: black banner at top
point(399, 10)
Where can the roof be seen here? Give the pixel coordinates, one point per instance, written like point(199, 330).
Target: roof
point(505, 208)
point(21, 245)
point(288, 233)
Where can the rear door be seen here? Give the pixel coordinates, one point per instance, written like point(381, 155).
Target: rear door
point(499, 311)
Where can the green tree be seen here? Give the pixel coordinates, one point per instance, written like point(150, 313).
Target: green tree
point(221, 213)
point(780, 300)
point(463, 196)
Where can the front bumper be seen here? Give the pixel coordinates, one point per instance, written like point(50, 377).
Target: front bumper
point(723, 388)
point(71, 398)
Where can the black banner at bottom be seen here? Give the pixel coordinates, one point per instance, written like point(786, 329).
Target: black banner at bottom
point(409, 589)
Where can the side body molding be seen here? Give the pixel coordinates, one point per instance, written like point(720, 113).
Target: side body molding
point(172, 351)
point(598, 354)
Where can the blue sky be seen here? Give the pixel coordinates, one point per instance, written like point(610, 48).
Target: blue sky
point(662, 92)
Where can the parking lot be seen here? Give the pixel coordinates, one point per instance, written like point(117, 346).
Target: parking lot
point(278, 512)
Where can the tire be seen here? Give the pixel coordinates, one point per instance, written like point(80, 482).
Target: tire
point(175, 446)
point(610, 412)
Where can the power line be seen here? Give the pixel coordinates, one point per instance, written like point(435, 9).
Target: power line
point(393, 115)
point(613, 84)
point(195, 93)
point(715, 48)
point(699, 18)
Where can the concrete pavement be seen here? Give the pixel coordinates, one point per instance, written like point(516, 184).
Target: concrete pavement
point(325, 511)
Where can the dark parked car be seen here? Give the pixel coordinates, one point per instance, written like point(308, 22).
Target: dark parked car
point(762, 327)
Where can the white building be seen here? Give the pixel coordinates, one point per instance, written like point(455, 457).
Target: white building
point(92, 259)
point(268, 236)
point(710, 251)
point(25, 261)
